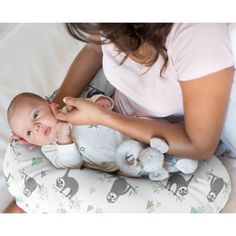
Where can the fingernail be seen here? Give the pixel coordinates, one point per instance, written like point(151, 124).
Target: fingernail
point(64, 99)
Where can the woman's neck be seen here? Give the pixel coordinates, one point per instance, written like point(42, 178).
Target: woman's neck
point(144, 54)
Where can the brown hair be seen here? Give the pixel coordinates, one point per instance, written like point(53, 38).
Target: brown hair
point(127, 37)
point(18, 97)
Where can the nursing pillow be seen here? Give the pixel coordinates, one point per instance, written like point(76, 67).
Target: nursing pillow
point(39, 187)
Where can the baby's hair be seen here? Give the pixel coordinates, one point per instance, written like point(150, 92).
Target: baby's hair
point(20, 96)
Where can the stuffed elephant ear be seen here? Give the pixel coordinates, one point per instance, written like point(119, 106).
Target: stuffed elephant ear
point(159, 144)
point(160, 175)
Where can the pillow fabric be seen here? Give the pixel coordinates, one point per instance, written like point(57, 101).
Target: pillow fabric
point(41, 188)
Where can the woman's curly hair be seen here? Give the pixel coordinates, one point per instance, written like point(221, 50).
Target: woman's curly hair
point(127, 37)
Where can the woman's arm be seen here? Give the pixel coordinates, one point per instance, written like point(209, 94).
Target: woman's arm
point(13, 208)
point(205, 105)
point(205, 102)
point(80, 73)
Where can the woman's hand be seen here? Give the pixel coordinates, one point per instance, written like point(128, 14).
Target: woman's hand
point(13, 208)
point(84, 113)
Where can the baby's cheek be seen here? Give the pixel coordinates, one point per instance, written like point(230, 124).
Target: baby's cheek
point(49, 118)
point(53, 133)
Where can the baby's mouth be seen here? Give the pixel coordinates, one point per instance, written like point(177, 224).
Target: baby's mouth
point(47, 131)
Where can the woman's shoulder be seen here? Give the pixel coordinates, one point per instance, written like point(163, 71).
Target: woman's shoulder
point(187, 33)
point(199, 49)
point(198, 28)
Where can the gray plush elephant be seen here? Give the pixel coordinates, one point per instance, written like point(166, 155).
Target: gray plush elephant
point(136, 159)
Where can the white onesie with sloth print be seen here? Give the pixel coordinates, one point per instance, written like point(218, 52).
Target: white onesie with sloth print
point(95, 145)
point(106, 149)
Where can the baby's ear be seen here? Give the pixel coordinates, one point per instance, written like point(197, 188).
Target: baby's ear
point(54, 105)
point(48, 100)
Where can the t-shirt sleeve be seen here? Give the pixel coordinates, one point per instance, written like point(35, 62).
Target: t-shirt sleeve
point(197, 50)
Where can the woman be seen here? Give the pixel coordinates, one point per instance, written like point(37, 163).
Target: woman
point(159, 70)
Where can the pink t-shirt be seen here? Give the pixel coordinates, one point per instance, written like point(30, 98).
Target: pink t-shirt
point(194, 50)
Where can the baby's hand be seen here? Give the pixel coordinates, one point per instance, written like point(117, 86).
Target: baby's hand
point(63, 133)
point(22, 141)
point(104, 103)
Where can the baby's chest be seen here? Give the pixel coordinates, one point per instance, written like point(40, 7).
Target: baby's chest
point(98, 143)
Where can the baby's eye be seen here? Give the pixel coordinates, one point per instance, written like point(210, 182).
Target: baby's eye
point(28, 133)
point(35, 116)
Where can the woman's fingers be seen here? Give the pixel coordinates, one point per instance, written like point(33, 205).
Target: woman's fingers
point(69, 108)
point(61, 114)
point(71, 101)
point(79, 111)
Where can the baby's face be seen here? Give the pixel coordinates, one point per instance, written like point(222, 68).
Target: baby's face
point(34, 121)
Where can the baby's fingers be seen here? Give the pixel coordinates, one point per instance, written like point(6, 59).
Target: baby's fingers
point(19, 139)
point(15, 137)
point(32, 146)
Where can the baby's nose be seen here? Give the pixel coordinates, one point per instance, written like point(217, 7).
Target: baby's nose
point(38, 127)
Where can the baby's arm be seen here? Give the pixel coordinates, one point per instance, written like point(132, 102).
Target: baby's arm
point(63, 133)
point(63, 156)
point(63, 153)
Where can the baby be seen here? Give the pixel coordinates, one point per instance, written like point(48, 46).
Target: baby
point(30, 117)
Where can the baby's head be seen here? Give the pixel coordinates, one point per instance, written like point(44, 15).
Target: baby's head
point(30, 117)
